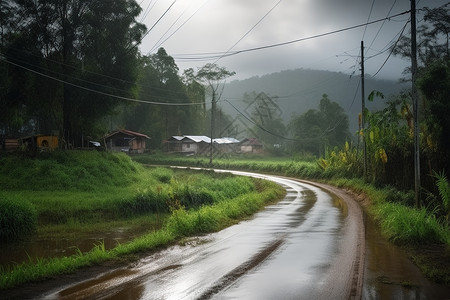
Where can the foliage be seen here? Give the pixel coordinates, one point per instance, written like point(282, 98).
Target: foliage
point(92, 44)
point(315, 131)
point(18, 218)
point(159, 82)
point(439, 202)
point(265, 115)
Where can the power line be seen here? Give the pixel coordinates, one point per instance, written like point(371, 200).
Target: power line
point(99, 92)
point(382, 24)
point(253, 27)
point(259, 126)
point(153, 26)
point(176, 30)
point(392, 50)
point(217, 54)
point(89, 72)
point(368, 18)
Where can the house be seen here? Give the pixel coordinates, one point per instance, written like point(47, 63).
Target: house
point(126, 141)
point(173, 145)
point(188, 144)
point(39, 142)
point(199, 144)
point(195, 144)
point(250, 145)
point(226, 144)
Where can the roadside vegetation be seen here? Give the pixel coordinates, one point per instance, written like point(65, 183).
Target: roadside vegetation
point(64, 193)
point(413, 228)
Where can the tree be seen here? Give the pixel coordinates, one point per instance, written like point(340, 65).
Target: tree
point(317, 130)
point(433, 39)
point(212, 76)
point(266, 115)
point(74, 43)
point(159, 82)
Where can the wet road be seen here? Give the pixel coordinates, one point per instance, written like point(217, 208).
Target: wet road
point(305, 246)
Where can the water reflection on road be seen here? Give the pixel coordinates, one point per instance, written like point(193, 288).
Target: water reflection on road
point(304, 247)
point(285, 251)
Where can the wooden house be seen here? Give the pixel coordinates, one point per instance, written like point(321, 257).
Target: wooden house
point(173, 144)
point(195, 144)
point(251, 145)
point(126, 141)
point(39, 142)
point(226, 144)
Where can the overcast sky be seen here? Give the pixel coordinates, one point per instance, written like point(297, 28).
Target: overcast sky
point(192, 30)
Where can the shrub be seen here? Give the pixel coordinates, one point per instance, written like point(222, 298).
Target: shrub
point(18, 218)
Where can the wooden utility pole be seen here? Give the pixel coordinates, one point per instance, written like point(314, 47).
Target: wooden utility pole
point(213, 109)
point(363, 112)
point(415, 101)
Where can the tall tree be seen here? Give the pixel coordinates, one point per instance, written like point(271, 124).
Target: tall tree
point(266, 115)
point(213, 77)
point(159, 82)
point(75, 43)
point(317, 130)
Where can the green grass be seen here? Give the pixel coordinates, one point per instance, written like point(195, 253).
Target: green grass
point(66, 196)
point(180, 224)
point(274, 165)
point(18, 218)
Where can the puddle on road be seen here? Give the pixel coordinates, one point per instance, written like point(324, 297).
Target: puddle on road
point(389, 274)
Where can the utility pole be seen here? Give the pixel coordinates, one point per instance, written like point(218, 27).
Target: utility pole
point(213, 108)
point(415, 101)
point(363, 112)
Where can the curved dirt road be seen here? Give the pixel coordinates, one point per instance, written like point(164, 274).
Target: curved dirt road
point(310, 245)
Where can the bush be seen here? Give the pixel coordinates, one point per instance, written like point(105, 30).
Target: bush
point(18, 218)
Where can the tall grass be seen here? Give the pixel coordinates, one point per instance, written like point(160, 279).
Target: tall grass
point(181, 223)
point(18, 218)
point(405, 225)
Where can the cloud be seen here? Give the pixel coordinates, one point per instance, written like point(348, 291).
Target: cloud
point(217, 25)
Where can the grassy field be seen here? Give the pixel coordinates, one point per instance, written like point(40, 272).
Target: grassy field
point(71, 192)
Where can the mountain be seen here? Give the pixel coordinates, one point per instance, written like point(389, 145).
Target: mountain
point(301, 89)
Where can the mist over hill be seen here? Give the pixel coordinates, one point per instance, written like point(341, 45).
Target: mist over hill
point(301, 89)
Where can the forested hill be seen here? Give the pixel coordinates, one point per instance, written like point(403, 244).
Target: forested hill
point(300, 90)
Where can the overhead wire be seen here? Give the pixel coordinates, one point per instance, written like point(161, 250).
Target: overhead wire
point(258, 125)
point(97, 91)
point(368, 18)
point(217, 54)
point(250, 30)
point(382, 24)
point(179, 27)
point(392, 50)
point(233, 53)
point(157, 45)
point(153, 26)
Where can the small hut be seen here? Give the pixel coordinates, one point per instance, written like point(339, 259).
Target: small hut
point(251, 145)
point(126, 141)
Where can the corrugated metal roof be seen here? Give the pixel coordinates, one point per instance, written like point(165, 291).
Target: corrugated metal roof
point(198, 138)
point(226, 140)
point(176, 138)
point(205, 139)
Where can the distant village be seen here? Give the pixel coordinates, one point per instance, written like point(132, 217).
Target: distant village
point(132, 142)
